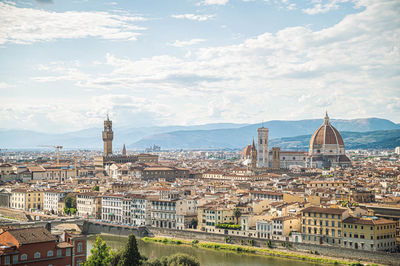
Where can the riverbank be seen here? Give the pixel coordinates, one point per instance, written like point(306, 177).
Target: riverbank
point(254, 250)
point(207, 257)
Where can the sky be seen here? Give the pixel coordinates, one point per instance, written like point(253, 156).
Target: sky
point(65, 64)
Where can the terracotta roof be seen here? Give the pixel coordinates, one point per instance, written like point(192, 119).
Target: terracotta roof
point(32, 235)
point(326, 134)
point(324, 210)
point(367, 221)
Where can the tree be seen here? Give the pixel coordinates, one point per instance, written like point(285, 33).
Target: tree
point(96, 188)
point(101, 254)
point(130, 255)
point(174, 260)
point(193, 223)
point(70, 204)
point(237, 213)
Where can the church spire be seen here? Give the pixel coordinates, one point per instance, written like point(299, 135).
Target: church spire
point(124, 150)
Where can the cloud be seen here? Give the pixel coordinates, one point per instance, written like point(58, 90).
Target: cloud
point(187, 43)
point(28, 25)
point(45, 1)
point(319, 7)
point(215, 2)
point(4, 85)
point(351, 69)
point(193, 17)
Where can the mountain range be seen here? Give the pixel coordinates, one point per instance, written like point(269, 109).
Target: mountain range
point(357, 133)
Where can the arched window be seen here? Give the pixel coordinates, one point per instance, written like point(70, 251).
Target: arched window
point(24, 257)
point(36, 255)
point(50, 253)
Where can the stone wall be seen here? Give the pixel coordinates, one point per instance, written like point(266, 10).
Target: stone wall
point(375, 257)
point(340, 253)
point(98, 228)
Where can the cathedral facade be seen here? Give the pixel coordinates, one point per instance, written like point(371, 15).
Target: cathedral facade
point(326, 149)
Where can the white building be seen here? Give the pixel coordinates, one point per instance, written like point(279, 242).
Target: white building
point(397, 150)
point(163, 213)
point(18, 199)
point(140, 210)
point(88, 205)
point(51, 199)
point(264, 229)
point(112, 208)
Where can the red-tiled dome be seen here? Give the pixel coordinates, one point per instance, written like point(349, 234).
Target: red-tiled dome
point(246, 152)
point(326, 135)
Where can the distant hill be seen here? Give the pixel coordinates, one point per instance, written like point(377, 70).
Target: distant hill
point(91, 137)
point(218, 135)
point(381, 139)
point(242, 136)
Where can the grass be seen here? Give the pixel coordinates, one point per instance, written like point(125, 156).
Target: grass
point(250, 250)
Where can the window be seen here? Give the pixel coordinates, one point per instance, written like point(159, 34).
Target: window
point(50, 253)
point(68, 252)
point(36, 255)
point(79, 247)
point(15, 259)
point(24, 257)
point(7, 260)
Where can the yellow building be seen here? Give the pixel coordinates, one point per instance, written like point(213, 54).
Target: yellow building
point(369, 233)
point(209, 215)
point(27, 200)
point(322, 225)
point(34, 200)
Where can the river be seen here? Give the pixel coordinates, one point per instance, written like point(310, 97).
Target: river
point(205, 256)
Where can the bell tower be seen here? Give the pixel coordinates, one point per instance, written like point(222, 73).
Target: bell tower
point(262, 151)
point(108, 136)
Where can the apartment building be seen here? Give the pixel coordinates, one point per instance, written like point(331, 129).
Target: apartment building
point(23, 199)
point(37, 246)
point(88, 205)
point(51, 199)
point(211, 214)
point(369, 233)
point(112, 208)
point(322, 225)
point(140, 210)
point(163, 212)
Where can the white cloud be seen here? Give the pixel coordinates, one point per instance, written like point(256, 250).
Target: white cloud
point(323, 7)
point(28, 25)
point(351, 69)
point(193, 17)
point(4, 85)
point(215, 2)
point(187, 43)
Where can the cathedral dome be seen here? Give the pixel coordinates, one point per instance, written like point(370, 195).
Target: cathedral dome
point(326, 140)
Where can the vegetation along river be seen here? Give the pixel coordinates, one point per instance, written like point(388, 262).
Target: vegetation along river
point(205, 256)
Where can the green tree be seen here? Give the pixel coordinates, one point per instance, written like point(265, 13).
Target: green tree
point(193, 223)
point(174, 260)
point(237, 213)
point(70, 204)
point(101, 254)
point(96, 188)
point(130, 255)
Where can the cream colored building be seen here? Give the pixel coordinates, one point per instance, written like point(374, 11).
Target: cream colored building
point(369, 233)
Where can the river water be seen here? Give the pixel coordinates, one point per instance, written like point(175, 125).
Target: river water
point(205, 256)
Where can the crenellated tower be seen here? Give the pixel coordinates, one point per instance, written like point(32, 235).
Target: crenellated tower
point(108, 136)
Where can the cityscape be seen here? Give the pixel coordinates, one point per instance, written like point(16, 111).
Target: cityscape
point(199, 132)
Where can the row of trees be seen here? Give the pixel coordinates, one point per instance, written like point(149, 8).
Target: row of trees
point(102, 255)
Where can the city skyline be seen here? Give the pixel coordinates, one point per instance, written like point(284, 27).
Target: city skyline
point(65, 65)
